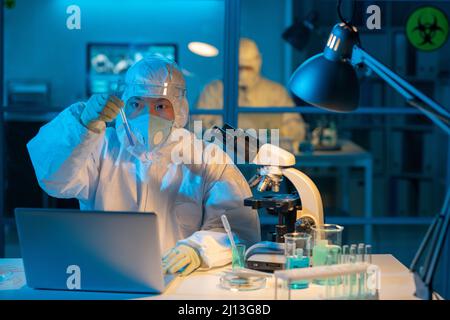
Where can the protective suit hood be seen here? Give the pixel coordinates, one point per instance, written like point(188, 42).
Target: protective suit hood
point(155, 77)
point(250, 62)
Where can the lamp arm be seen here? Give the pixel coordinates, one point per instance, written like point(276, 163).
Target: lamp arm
point(433, 110)
point(438, 231)
point(444, 223)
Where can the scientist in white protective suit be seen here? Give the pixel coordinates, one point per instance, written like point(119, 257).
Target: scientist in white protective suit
point(77, 156)
point(255, 91)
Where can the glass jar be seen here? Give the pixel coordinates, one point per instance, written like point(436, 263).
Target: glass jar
point(297, 251)
point(327, 242)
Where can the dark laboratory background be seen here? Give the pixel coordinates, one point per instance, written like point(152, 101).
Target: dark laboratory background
point(382, 174)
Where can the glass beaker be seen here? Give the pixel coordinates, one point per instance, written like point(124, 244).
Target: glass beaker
point(327, 241)
point(297, 251)
point(297, 240)
point(238, 256)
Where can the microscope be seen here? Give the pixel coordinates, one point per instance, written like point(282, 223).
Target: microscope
point(296, 212)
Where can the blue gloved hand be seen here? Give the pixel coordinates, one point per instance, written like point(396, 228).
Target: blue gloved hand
point(179, 257)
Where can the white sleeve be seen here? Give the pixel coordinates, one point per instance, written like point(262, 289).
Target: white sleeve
point(65, 156)
point(212, 246)
point(225, 192)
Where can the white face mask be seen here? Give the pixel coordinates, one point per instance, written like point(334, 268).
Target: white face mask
point(149, 134)
point(247, 78)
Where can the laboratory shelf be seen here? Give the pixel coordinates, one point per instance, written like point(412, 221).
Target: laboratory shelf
point(380, 220)
point(412, 175)
point(272, 220)
point(314, 110)
point(30, 109)
point(268, 109)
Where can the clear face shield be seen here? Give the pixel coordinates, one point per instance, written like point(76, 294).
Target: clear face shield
point(171, 92)
point(148, 116)
point(138, 106)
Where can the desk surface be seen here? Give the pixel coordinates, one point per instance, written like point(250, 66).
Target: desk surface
point(396, 284)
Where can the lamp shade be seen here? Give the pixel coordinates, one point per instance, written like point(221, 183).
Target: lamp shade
point(331, 85)
point(328, 80)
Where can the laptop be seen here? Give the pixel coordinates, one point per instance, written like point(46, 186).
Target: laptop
point(91, 250)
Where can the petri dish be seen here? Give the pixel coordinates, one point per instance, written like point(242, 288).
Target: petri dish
point(5, 276)
point(237, 283)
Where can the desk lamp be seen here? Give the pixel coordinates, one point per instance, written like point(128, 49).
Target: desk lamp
point(328, 80)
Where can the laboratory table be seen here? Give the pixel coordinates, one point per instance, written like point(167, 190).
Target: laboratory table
point(396, 284)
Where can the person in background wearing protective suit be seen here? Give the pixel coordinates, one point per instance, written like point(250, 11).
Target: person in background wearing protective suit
point(255, 91)
point(77, 156)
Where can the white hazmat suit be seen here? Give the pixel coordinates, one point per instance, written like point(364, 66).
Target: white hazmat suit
point(72, 161)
